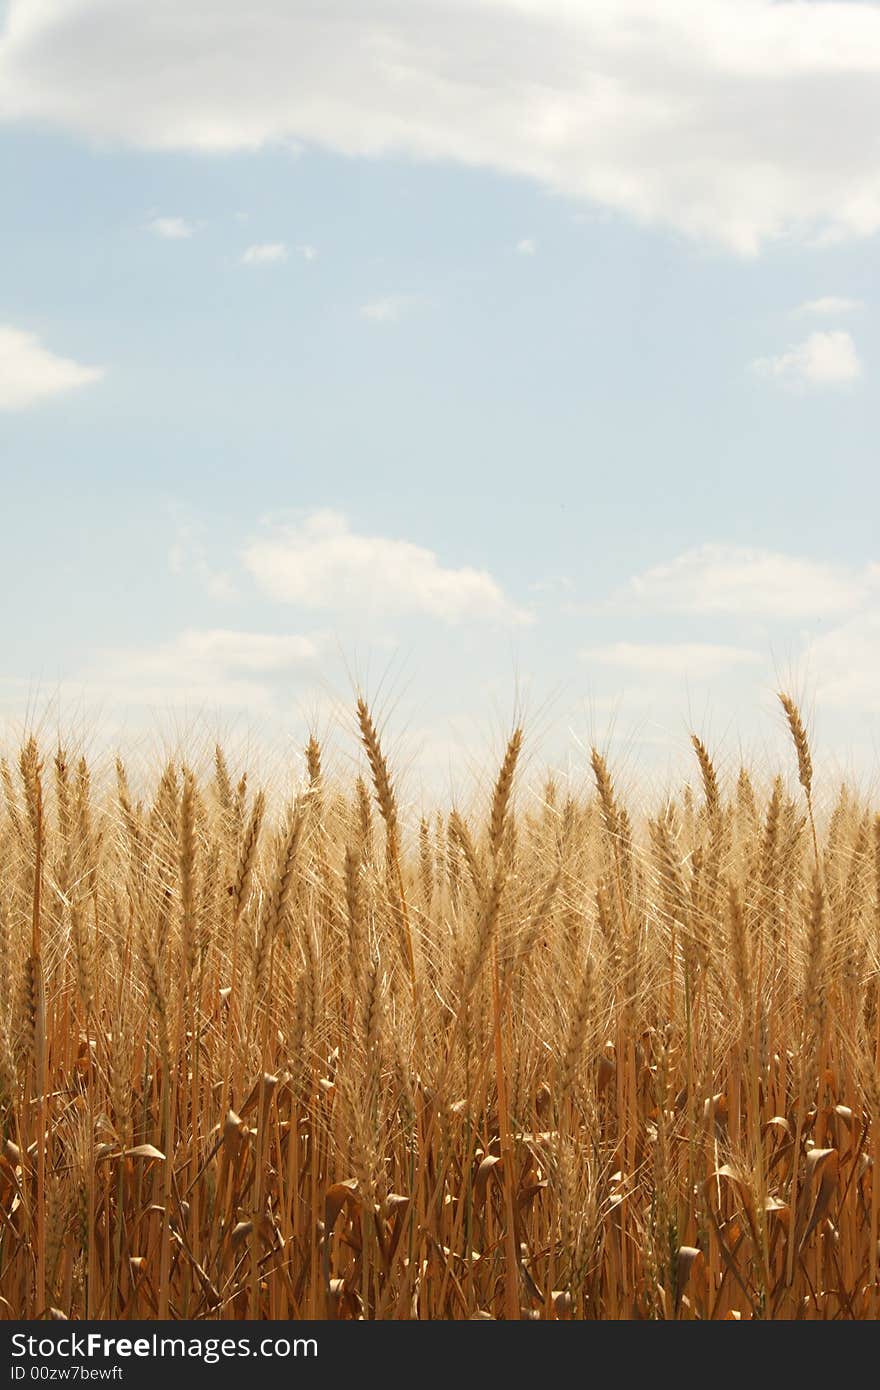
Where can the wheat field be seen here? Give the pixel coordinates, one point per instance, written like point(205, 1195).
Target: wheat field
point(549, 1056)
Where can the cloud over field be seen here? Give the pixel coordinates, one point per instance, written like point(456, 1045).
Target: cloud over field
point(737, 121)
point(212, 667)
point(830, 305)
point(695, 659)
point(740, 580)
point(172, 228)
point(30, 373)
point(266, 253)
point(845, 663)
point(320, 563)
point(821, 360)
point(389, 310)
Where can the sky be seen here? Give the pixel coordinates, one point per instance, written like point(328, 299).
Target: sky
point(499, 357)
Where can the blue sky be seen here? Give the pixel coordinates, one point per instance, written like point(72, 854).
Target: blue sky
point(481, 346)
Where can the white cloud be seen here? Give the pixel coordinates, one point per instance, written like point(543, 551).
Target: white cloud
point(844, 664)
point(322, 564)
point(695, 659)
point(740, 121)
point(308, 253)
point(265, 253)
point(830, 305)
point(188, 555)
point(738, 580)
point(243, 651)
point(527, 246)
point(30, 373)
point(823, 359)
point(553, 584)
point(391, 309)
point(171, 228)
point(211, 667)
